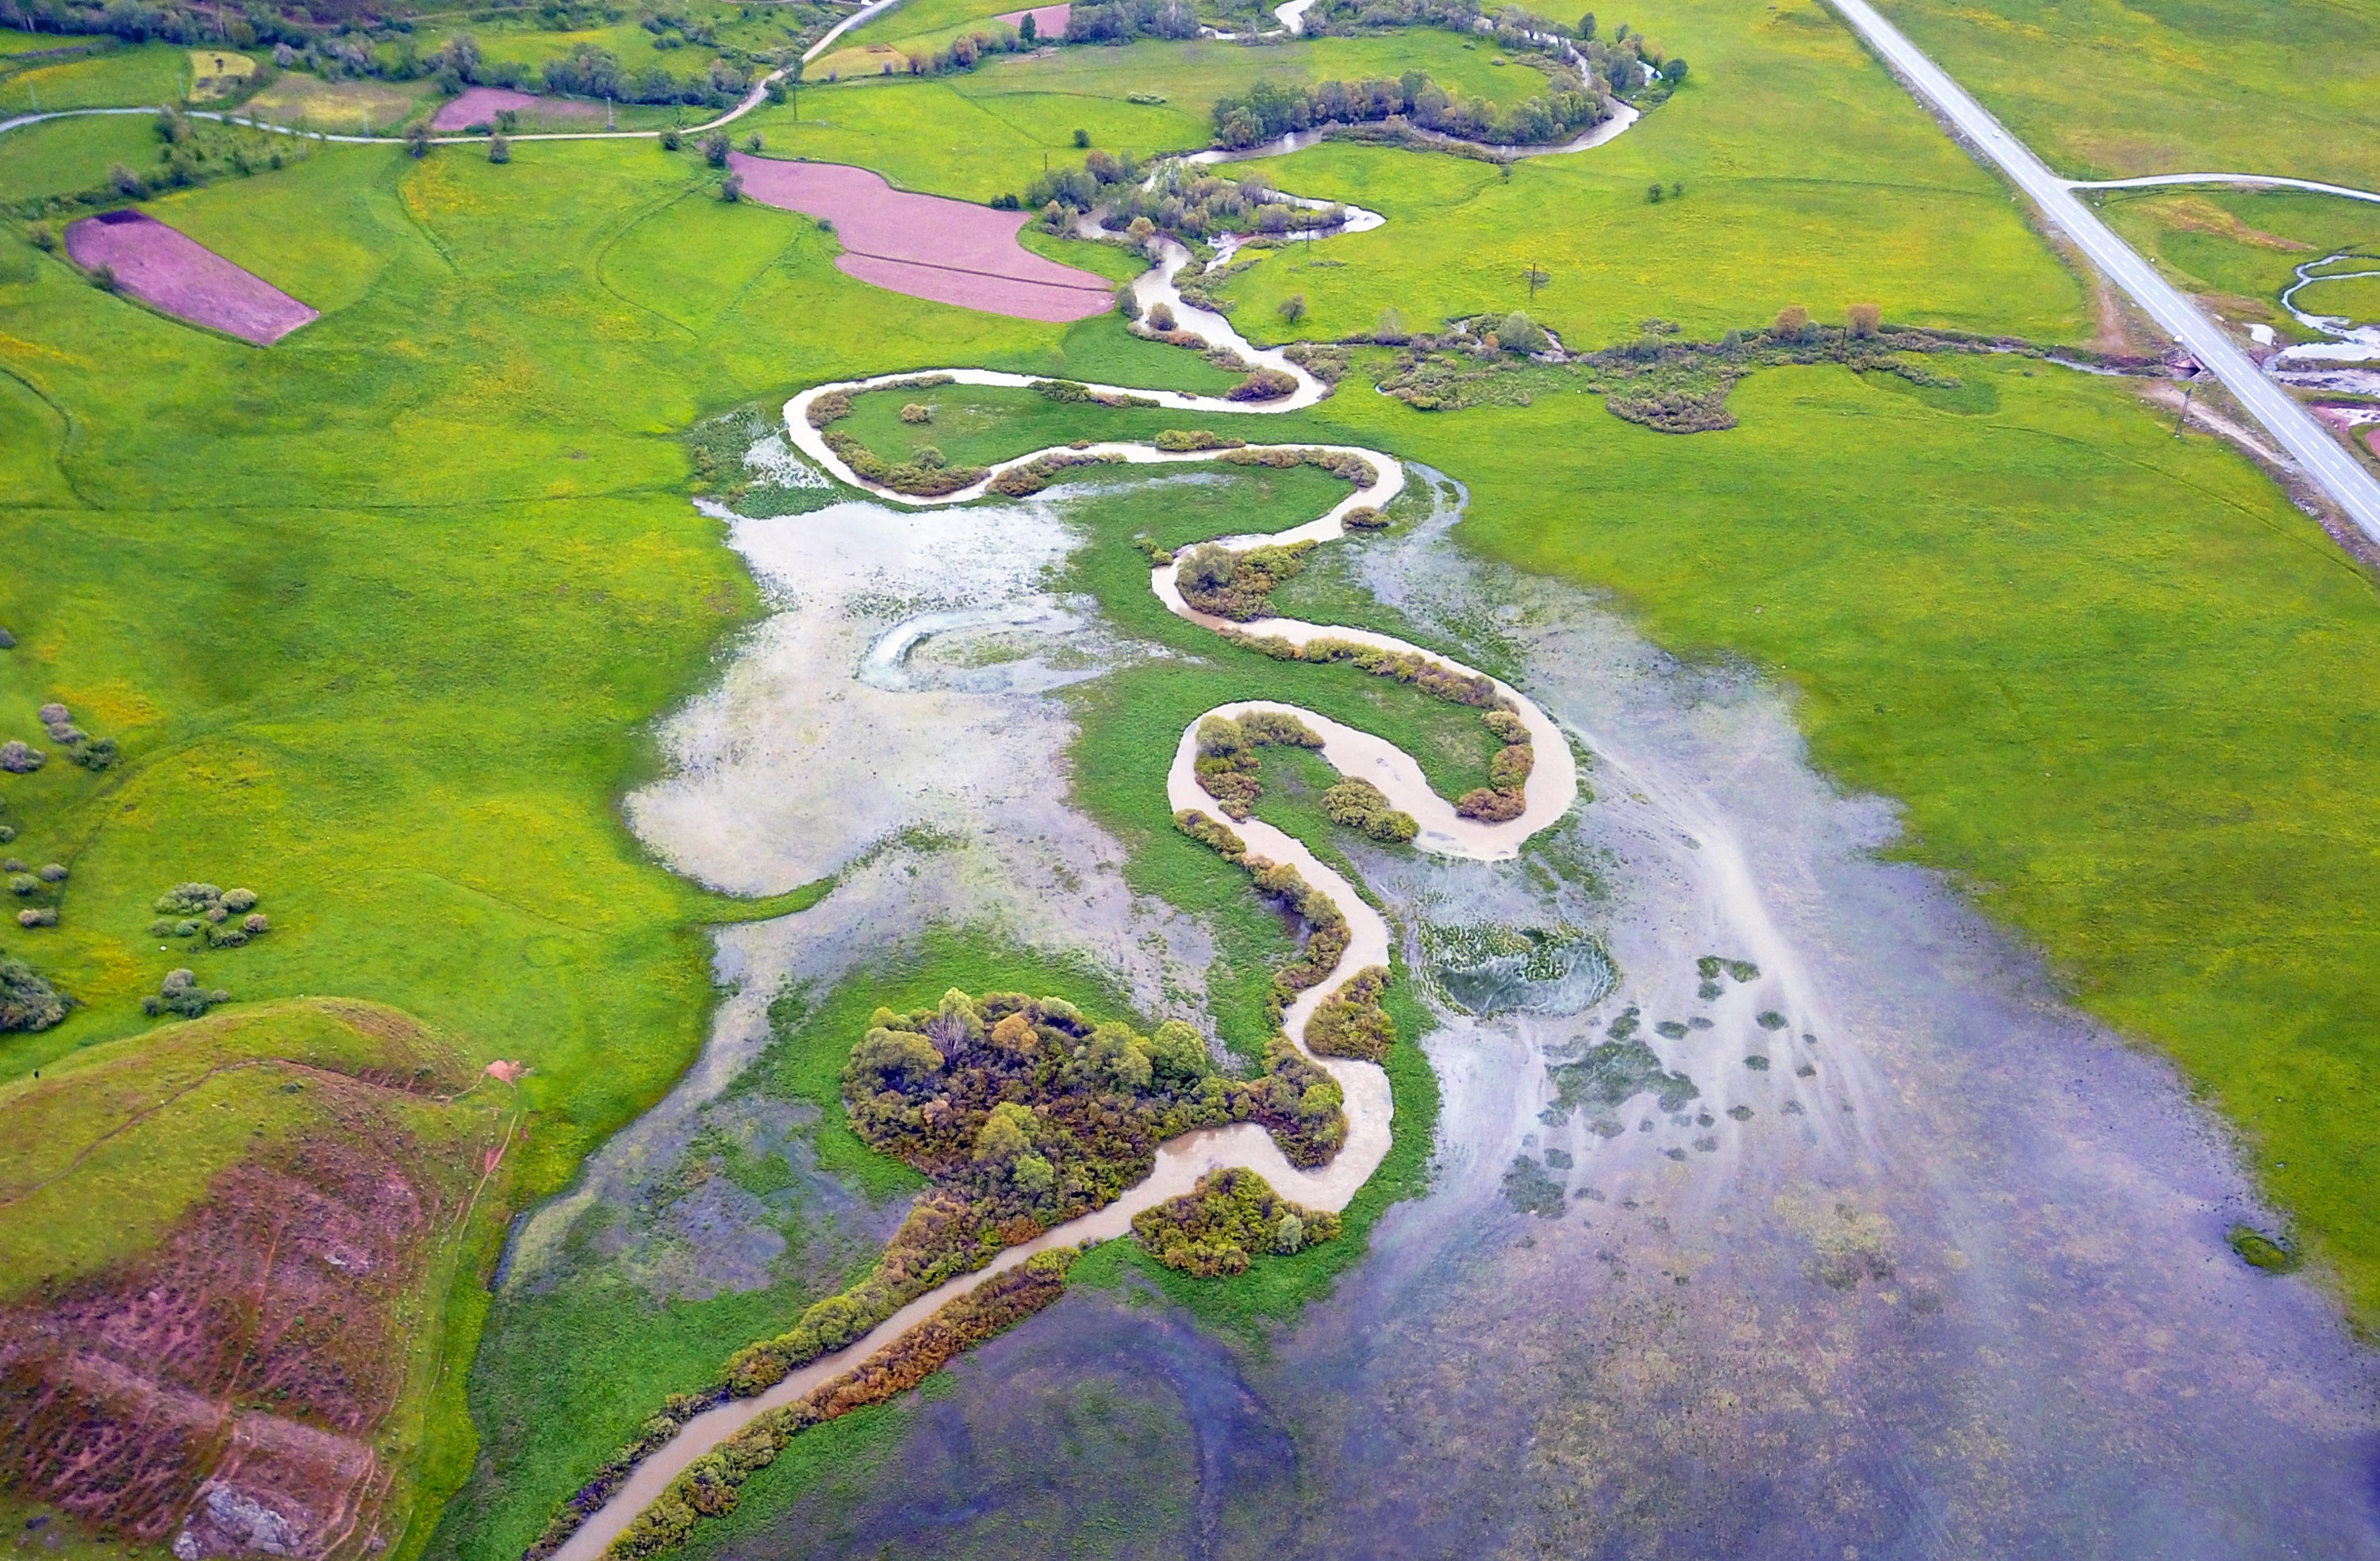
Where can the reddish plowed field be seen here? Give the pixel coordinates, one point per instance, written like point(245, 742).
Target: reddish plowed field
point(1048, 21)
point(184, 278)
point(478, 106)
point(949, 251)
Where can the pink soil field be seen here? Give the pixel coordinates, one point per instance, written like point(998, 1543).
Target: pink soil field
point(949, 251)
point(1048, 21)
point(184, 278)
point(479, 105)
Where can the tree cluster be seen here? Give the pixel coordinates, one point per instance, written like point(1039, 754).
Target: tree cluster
point(219, 917)
point(181, 995)
point(1187, 202)
point(1270, 110)
point(1229, 1216)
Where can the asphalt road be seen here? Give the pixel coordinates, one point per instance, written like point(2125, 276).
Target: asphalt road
point(2290, 425)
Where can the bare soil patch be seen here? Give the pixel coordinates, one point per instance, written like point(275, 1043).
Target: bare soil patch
point(1048, 21)
point(479, 105)
point(175, 273)
point(928, 246)
point(225, 1391)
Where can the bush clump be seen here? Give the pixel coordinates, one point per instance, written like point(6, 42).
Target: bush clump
point(1237, 585)
point(926, 475)
point(202, 910)
point(1350, 1022)
point(1232, 1215)
point(1490, 807)
point(1265, 384)
point(1432, 677)
point(16, 759)
point(182, 995)
point(1359, 805)
point(28, 1002)
point(1228, 764)
point(1018, 482)
point(1196, 439)
point(916, 411)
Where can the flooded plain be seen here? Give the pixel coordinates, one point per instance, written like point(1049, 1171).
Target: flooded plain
point(1793, 1214)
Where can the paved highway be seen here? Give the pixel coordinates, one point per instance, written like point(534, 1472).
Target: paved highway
point(2321, 456)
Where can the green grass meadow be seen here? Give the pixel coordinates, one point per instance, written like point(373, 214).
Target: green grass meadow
point(110, 76)
point(1809, 177)
point(2104, 90)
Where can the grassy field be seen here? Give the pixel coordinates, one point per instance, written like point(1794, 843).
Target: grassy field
point(143, 1128)
point(61, 156)
point(2103, 90)
point(2241, 249)
point(124, 75)
point(296, 585)
point(1191, 75)
point(1808, 178)
point(353, 107)
point(524, 38)
point(988, 131)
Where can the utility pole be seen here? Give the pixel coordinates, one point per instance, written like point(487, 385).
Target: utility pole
point(2189, 389)
point(1536, 278)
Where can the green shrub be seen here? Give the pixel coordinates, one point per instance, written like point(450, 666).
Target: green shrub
point(28, 1002)
point(2272, 1254)
point(1359, 805)
point(1350, 1022)
point(1228, 1217)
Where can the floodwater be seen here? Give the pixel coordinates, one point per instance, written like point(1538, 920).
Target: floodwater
point(1866, 1245)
